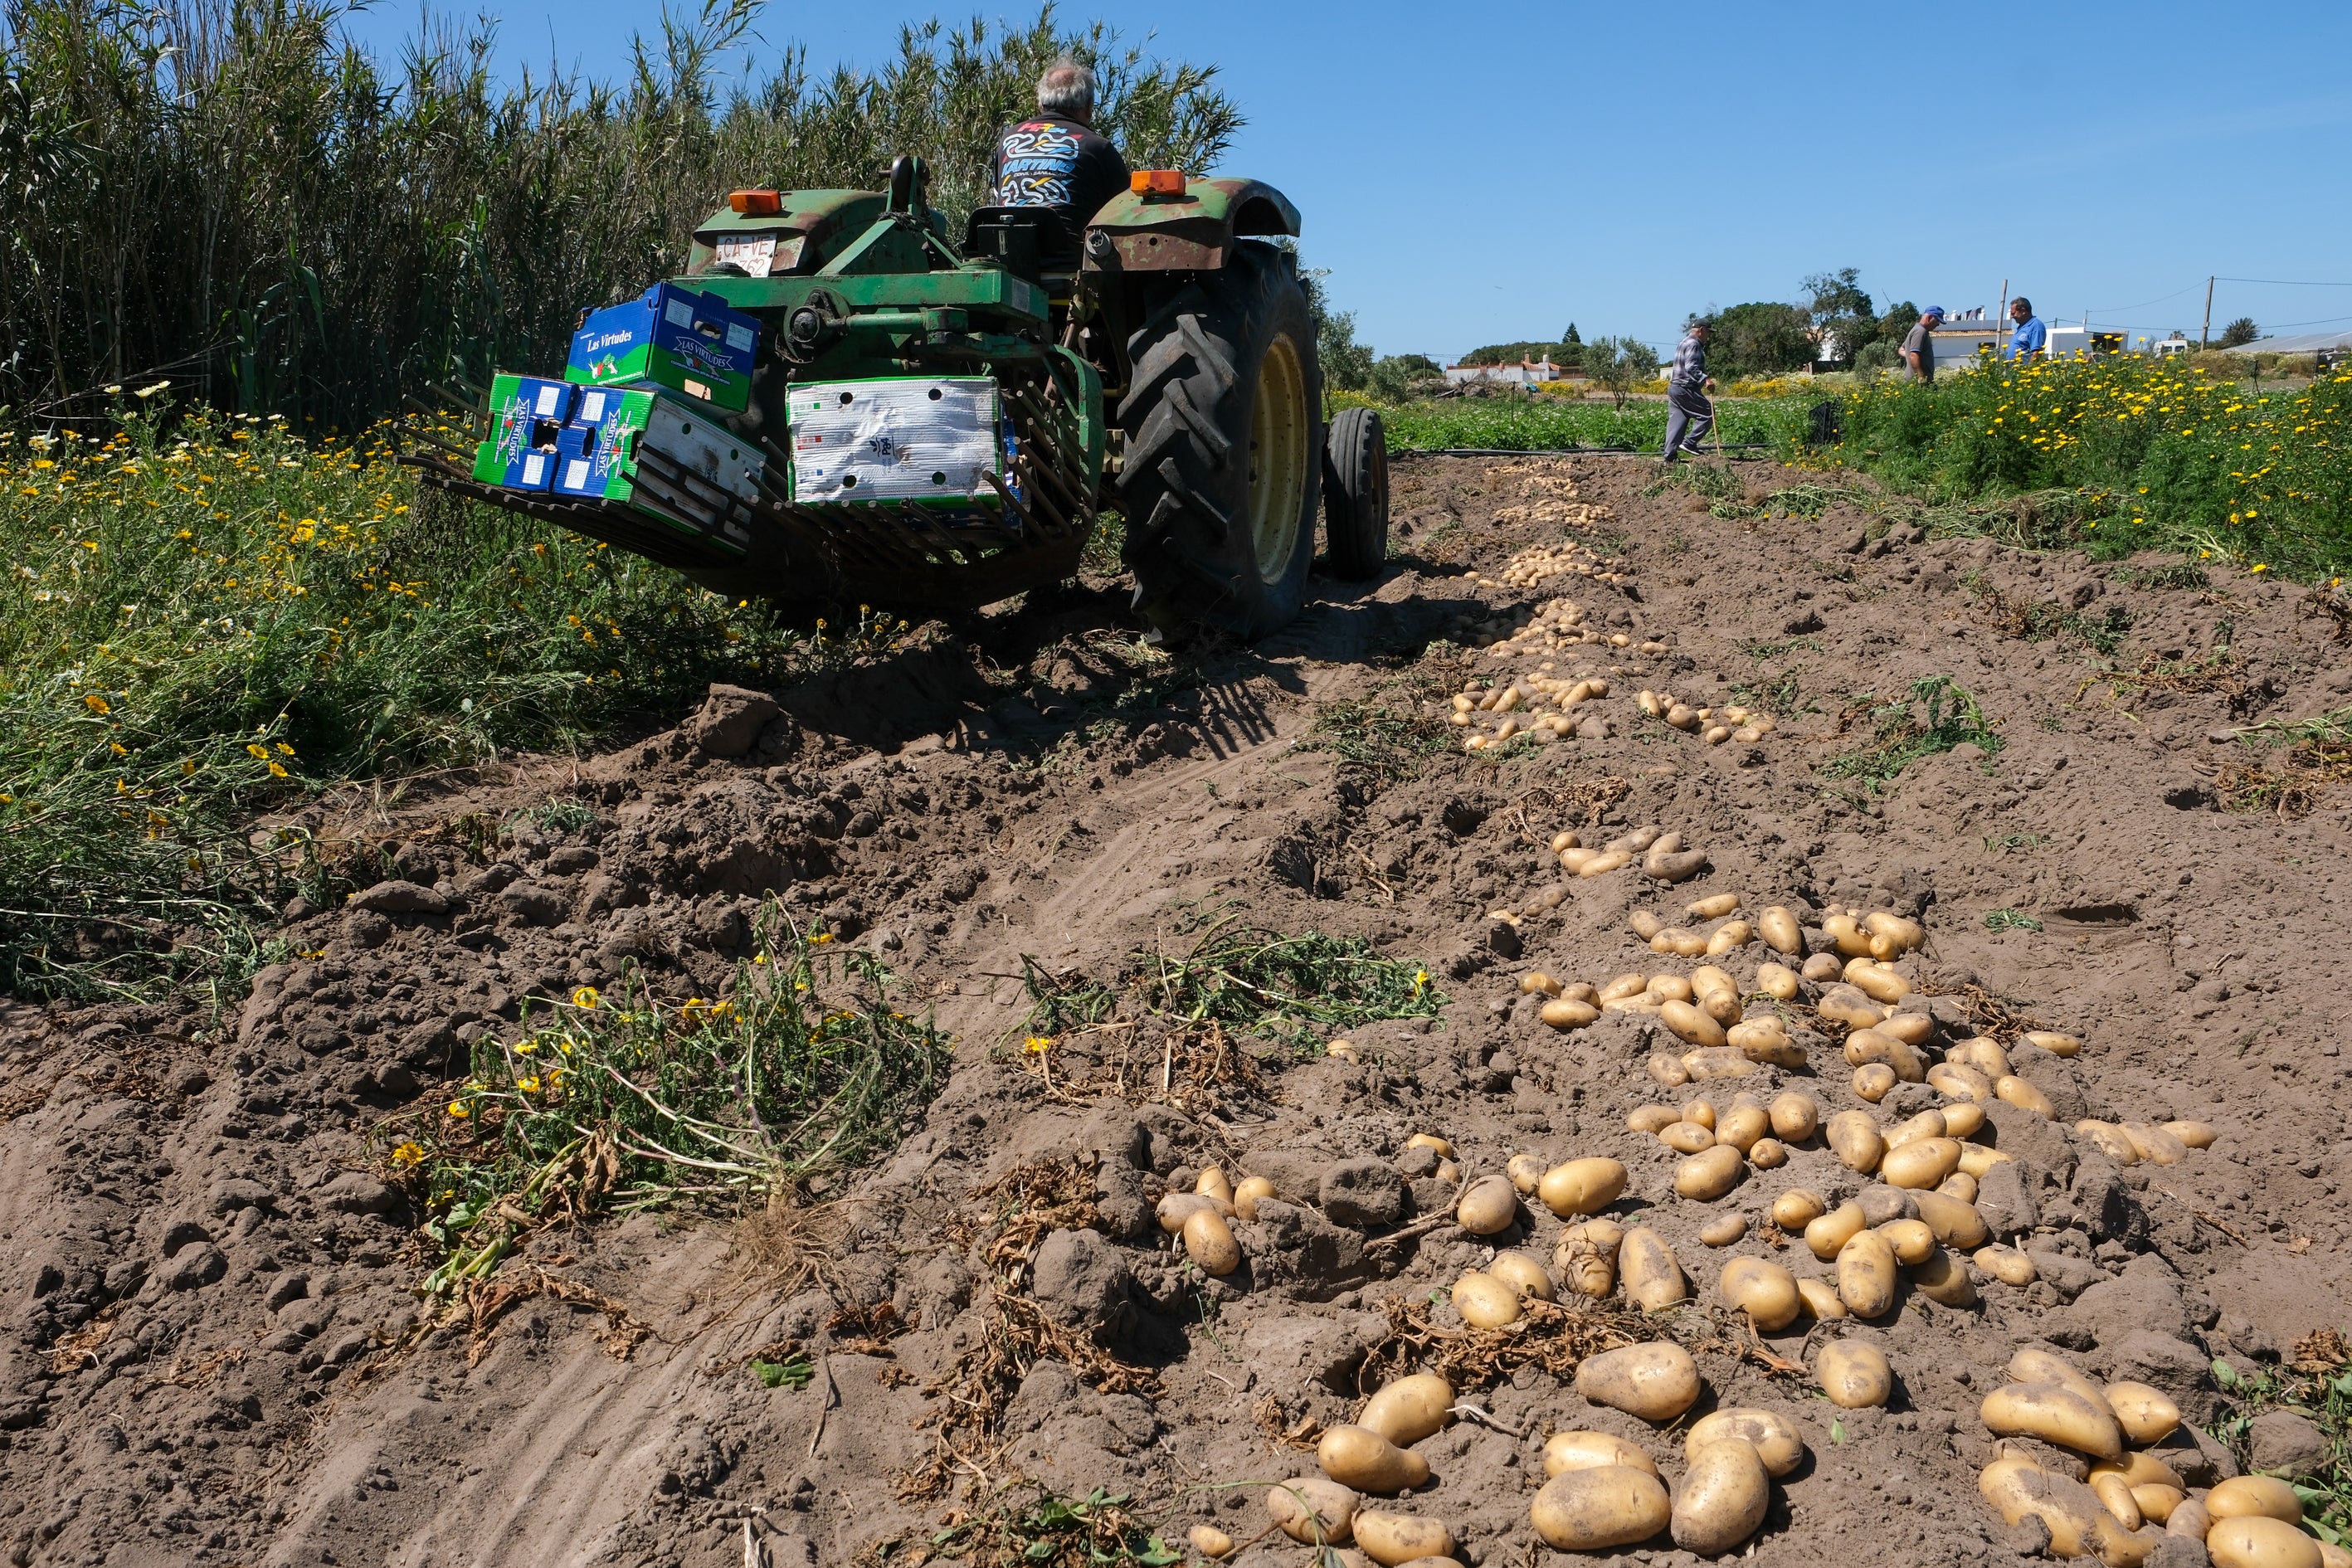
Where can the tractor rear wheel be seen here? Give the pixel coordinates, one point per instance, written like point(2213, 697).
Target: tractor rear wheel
point(1223, 473)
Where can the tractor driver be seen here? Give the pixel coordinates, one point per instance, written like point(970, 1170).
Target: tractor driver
point(1055, 160)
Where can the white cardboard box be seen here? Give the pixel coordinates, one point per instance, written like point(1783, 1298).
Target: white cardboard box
point(895, 439)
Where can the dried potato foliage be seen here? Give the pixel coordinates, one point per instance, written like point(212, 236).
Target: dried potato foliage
point(967, 1419)
point(1990, 1014)
point(2295, 783)
point(1551, 1336)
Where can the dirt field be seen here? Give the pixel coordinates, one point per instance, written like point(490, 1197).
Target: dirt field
point(211, 1351)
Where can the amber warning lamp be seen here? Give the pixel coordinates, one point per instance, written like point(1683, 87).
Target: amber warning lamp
point(1157, 181)
point(756, 203)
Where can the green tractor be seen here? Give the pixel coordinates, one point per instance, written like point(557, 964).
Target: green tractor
point(937, 426)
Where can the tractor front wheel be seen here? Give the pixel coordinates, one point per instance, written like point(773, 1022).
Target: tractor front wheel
point(1222, 474)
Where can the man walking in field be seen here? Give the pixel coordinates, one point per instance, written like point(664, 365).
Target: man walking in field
point(1919, 348)
point(1055, 160)
point(2028, 336)
point(1689, 414)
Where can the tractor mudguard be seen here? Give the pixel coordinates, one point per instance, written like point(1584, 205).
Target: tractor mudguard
point(1153, 231)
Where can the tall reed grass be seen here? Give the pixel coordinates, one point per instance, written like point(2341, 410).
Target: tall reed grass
point(230, 194)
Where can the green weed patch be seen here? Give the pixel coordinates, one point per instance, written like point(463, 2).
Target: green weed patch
point(612, 1103)
point(1902, 735)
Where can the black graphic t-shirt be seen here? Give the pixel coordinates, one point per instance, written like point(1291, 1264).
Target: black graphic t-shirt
point(1051, 162)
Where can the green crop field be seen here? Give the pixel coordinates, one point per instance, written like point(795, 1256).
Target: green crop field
point(1521, 424)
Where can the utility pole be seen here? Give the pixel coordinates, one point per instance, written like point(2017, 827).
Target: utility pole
point(1997, 321)
point(2206, 332)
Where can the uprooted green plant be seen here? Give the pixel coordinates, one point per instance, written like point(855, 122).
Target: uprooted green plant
point(2316, 1385)
point(1900, 737)
point(624, 1103)
point(1045, 1529)
point(1169, 1027)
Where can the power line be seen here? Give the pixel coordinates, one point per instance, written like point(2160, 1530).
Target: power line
point(2286, 283)
point(2160, 299)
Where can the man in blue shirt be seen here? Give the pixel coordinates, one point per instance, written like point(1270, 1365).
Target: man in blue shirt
point(2026, 338)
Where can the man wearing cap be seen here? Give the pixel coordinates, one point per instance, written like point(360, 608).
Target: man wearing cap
point(1919, 348)
point(1689, 412)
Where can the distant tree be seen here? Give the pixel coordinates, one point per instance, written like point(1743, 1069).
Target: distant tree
point(1569, 337)
point(1395, 377)
point(1617, 364)
point(2241, 331)
point(1844, 321)
point(1760, 338)
point(1346, 363)
point(1513, 353)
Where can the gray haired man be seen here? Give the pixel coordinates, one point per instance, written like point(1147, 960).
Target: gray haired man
point(1689, 414)
point(1055, 160)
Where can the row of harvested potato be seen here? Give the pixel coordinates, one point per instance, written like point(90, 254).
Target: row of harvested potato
point(2247, 1521)
point(1710, 724)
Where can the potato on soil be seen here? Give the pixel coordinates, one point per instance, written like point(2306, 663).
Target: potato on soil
point(1691, 1023)
point(1484, 1301)
point(1797, 1208)
point(1776, 980)
point(2079, 1524)
point(1779, 931)
point(1246, 1196)
point(2257, 1541)
point(1765, 1040)
point(1853, 1137)
point(1652, 1279)
point(1432, 1141)
point(1723, 1499)
point(1768, 1154)
point(1773, 1435)
point(2115, 1495)
point(1361, 1458)
point(1795, 1117)
point(1943, 1278)
point(1714, 906)
point(1866, 1275)
point(1687, 1137)
point(1566, 1451)
point(1586, 1257)
point(2146, 1414)
point(1177, 1207)
point(1526, 1172)
point(1912, 1240)
point(1214, 1183)
point(1652, 1118)
point(2056, 1043)
point(1765, 1292)
point(1394, 1539)
point(2195, 1134)
point(1820, 969)
point(1581, 1186)
point(1209, 1242)
point(2243, 1497)
point(1656, 1382)
point(1595, 1508)
point(2025, 1097)
point(2034, 1364)
point(1523, 1274)
point(1208, 1540)
point(1717, 1061)
point(2154, 1145)
point(2139, 1469)
point(1705, 1176)
point(1855, 1374)
point(2055, 1413)
point(1827, 1234)
point(1311, 1504)
point(1955, 1223)
point(2108, 1140)
point(1920, 1163)
point(1568, 1013)
point(1724, 1231)
point(1976, 1160)
point(1822, 1299)
point(1407, 1409)
point(1489, 1204)
point(2190, 1519)
point(1699, 1113)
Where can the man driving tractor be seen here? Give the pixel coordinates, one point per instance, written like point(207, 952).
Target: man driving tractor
point(1055, 159)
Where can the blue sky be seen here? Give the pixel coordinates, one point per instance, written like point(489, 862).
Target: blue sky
point(1473, 171)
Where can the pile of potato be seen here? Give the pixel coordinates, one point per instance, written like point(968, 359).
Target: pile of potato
point(1606, 1492)
point(1712, 725)
point(2249, 1521)
point(1535, 704)
point(1541, 562)
point(1200, 1217)
point(1662, 855)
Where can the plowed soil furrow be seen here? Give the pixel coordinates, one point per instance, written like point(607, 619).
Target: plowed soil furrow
point(214, 1352)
